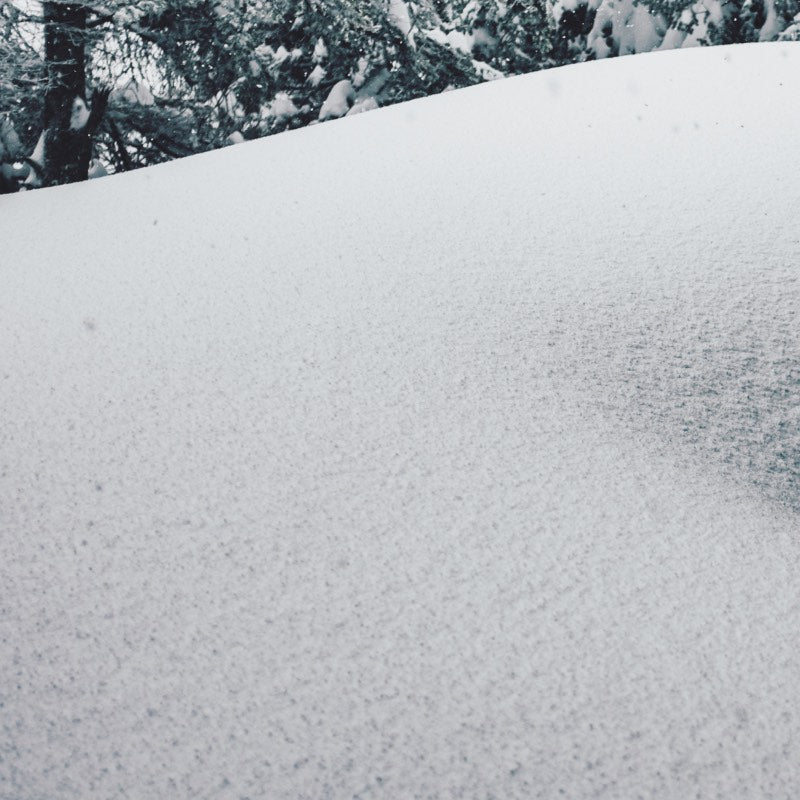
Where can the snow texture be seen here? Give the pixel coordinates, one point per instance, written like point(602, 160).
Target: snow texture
point(316, 75)
point(771, 27)
point(282, 106)
point(447, 451)
point(320, 51)
point(792, 32)
point(463, 42)
point(633, 28)
point(338, 101)
point(486, 71)
point(399, 16)
point(135, 92)
point(362, 105)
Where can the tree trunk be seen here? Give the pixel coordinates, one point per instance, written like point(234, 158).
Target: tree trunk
point(64, 50)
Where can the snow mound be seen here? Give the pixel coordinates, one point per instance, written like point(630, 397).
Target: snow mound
point(448, 451)
point(338, 101)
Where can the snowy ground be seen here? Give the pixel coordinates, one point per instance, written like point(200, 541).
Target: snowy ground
point(446, 451)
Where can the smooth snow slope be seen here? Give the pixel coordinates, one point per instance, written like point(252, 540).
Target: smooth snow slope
point(446, 451)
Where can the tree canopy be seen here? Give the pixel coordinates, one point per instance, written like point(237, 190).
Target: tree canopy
point(192, 75)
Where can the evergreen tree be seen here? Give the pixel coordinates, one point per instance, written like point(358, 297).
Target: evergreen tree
point(193, 75)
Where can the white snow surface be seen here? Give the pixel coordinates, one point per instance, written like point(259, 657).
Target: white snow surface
point(633, 27)
point(338, 101)
point(399, 16)
point(444, 451)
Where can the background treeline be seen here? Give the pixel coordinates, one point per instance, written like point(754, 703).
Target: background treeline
point(191, 75)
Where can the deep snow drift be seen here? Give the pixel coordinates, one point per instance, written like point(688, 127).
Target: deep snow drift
point(445, 451)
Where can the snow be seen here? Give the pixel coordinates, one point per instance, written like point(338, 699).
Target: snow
point(457, 40)
point(79, 116)
point(487, 71)
point(398, 16)
point(362, 105)
point(97, 170)
point(673, 39)
point(338, 101)
point(228, 104)
point(560, 6)
point(320, 51)
point(282, 106)
point(648, 30)
point(264, 52)
point(634, 28)
point(316, 75)
point(445, 451)
point(792, 32)
point(136, 92)
point(360, 76)
point(771, 27)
